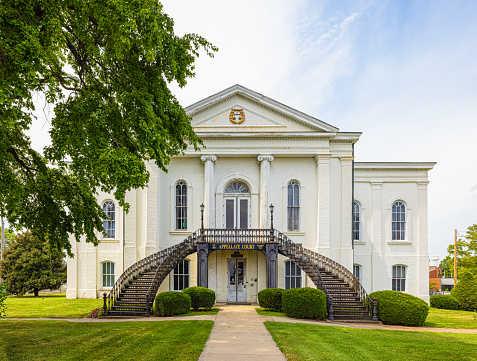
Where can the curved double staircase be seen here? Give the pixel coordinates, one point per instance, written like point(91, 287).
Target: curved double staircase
point(134, 292)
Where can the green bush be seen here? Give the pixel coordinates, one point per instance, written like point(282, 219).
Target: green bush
point(445, 302)
point(304, 303)
point(201, 297)
point(465, 291)
point(171, 303)
point(397, 308)
point(3, 297)
point(271, 298)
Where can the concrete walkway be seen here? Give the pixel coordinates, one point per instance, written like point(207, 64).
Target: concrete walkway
point(240, 335)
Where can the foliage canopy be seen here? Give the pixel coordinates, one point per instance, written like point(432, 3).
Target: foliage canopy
point(466, 253)
point(30, 266)
point(106, 68)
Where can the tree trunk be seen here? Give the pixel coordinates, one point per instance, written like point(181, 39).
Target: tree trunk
point(35, 291)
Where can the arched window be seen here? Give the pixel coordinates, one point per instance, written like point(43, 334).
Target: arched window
point(399, 278)
point(356, 221)
point(181, 275)
point(398, 221)
point(293, 210)
point(109, 222)
point(107, 274)
point(237, 187)
point(292, 275)
point(357, 272)
point(181, 205)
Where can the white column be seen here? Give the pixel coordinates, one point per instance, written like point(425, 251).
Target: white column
point(323, 204)
point(422, 241)
point(378, 266)
point(264, 161)
point(209, 203)
point(346, 247)
point(152, 210)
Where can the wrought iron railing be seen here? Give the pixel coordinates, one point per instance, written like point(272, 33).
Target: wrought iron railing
point(214, 235)
point(329, 265)
point(165, 260)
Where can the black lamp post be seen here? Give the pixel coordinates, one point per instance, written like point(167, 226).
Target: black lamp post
point(202, 216)
point(271, 216)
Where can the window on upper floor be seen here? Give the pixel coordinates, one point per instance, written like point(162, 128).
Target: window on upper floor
point(181, 205)
point(357, 271)
point(398, 222)
point(356, 221)
point(293, 209)
point(181, 275)
point(399, 278)
point(107, 273)
point(109, 222)
point(292, 275)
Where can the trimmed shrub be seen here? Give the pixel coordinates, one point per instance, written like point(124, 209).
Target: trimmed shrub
point(304, 303)
point(171, 303)
point(201, 297)
point(271, 298)
point(465, 291)
point(445, 302)
point(397, 308)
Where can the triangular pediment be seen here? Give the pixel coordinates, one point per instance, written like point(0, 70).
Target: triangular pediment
point(238, 109)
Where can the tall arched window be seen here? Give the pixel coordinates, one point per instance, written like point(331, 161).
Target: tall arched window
point(293, 210)
point(398, 223)
point(181, 275)
point(181, 205)
point(399, 278)
point(292, 275)
point(109, 222)
point(356, 221)
point(107, 273)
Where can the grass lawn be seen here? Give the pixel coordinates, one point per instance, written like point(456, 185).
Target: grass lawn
point(265, 312)
point(60, 340)
point(313, 342)
point(450, 319)
point(53, 305)
point(212, 311)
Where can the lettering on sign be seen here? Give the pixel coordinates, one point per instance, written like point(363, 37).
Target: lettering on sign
point(236, 246)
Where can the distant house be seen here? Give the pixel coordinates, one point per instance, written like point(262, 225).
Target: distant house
point(435, 275)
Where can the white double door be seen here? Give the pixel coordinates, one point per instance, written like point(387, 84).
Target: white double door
point(236, 212)
point(236, 284)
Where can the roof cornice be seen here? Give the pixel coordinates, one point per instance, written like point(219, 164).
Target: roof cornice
point(395, 165)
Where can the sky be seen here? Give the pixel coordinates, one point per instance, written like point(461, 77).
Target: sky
point(402, 72)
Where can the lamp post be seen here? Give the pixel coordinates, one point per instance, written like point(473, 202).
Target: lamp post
point(271, 216)
point(202, 207)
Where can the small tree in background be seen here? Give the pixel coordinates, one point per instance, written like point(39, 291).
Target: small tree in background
point(29, 265)
point(3, 296)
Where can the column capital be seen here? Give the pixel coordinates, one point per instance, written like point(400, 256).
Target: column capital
point(263, 157)
point(322, 158)
point(207, 157)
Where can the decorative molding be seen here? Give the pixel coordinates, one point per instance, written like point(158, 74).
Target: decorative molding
point(210, 157)
point(233, 115)
point(261, 158)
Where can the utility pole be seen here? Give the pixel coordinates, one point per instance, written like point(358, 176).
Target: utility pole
point(455, 257)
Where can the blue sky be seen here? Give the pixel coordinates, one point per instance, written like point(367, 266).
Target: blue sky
point(402, 72)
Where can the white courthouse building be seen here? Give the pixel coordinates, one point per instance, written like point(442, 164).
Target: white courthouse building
point(372, 218)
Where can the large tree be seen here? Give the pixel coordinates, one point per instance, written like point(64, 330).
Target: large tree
point(106, 67)
point(29, 265)
point(466, 253)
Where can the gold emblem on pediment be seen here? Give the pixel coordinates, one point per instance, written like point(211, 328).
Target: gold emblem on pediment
point(237, 116)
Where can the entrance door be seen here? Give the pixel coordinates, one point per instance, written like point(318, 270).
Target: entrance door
point(237, 212)
point(236, 287)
